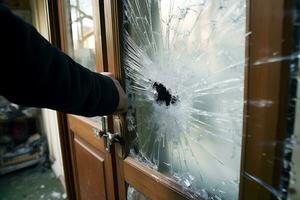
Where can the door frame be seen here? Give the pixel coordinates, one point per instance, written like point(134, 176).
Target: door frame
point(269, 26)
point(271, 33)
point(55, 39)
point(58, 39)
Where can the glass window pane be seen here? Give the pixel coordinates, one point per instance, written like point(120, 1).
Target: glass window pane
point(80, 34)
point(184, 64)
point(133, 194)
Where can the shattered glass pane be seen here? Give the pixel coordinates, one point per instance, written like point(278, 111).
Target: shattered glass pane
point(79, 25)
point(133, 194)
point(184, 64)
point(292, 163)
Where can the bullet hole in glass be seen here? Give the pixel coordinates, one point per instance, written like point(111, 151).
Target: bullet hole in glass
point(162, 95)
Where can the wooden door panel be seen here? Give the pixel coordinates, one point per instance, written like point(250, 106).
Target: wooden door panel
point(90, 170)
point(85, 128)
point(92, 164)
point(150, 182)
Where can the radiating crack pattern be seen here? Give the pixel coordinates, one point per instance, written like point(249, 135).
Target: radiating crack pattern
point(184, 65)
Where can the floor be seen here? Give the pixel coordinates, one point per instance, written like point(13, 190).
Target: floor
point(32, 183)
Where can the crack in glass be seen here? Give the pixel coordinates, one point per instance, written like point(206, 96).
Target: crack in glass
point(184, 63)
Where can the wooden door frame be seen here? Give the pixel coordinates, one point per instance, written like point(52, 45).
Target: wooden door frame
point(58, 39)
point(55, 38)
point(271, 33)
point(268, 28)
point(99, 29)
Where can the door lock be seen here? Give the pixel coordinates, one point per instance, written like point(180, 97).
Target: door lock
point(108, 138)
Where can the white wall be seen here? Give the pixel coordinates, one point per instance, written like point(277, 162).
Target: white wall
point(50, 125)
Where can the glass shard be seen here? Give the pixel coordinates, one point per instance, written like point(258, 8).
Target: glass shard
point(133, 194)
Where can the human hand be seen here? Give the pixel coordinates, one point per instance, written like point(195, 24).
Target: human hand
point(123, 99)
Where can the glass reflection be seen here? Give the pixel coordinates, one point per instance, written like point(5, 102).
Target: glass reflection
point(80, 31)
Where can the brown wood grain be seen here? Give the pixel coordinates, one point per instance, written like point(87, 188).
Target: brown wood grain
point(90, 171)
point(57, 36)
point(111, 11)
point(110, 181)
point(62, 21)
point(95, 149)
point(112, 37)
point(54, 23)
point(85, 129)
point(100, 40)
point(264, 126)
point(151, 183)
point(82, 150)
point(245, 111)
point(81, 129)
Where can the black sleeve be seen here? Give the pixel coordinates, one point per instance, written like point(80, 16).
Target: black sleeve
point(34, 73)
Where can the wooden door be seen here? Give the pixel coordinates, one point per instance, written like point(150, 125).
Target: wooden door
point(92, 164)
point(261, 95)
point(88, 165)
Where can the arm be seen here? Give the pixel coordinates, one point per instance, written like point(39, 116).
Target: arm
point(34, 73)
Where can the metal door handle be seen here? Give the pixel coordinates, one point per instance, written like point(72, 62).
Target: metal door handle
point(108, 138)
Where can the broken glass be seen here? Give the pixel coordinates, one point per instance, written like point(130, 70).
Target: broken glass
point(184, 65)
point(133, 194)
